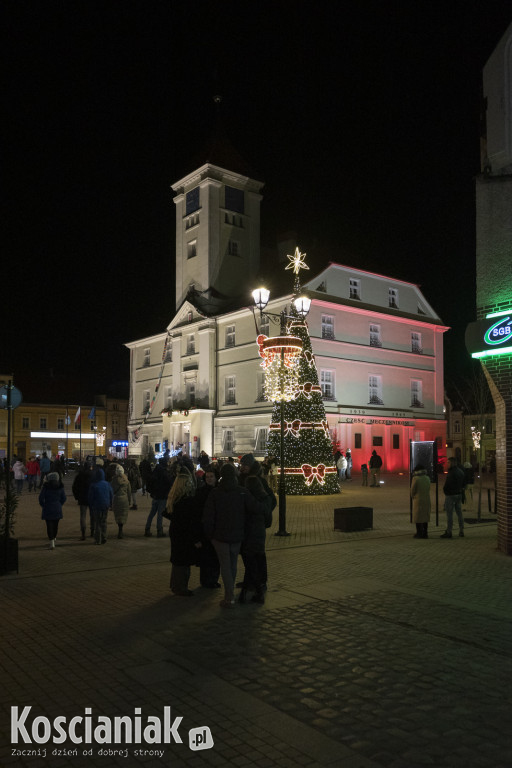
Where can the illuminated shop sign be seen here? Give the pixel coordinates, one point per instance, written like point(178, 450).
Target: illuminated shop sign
point(492, 336)
point(122, 443)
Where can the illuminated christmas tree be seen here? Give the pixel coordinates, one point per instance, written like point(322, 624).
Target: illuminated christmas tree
point(308, 457)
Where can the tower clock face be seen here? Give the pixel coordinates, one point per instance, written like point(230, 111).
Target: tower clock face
point(192, 201)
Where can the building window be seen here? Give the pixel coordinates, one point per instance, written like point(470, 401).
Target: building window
point(60, 423)
point(147, 357)
point(456, 427)
point(234, 248)
point(375, 390)
point(25, 422)
point(191, 344)
point(168, 352)
point(265, 325)
point(260, 444)
point(93, 426)
point(191, 393)
point(393, 297)
point(168, 398)
point(416, 342)
point(260, 387)
point(416, 393)
point(190, 315)
point(327, 327)
point(115, 406)
point(230, 390)
point(234, 199)
point(192, 201)
point(191, 249)
point(358, 440)
point(327, 384)
point(396, 442)
point(115, 427)
point(42, 422)
point(230, 336)
point(355, 288)
point(375, 335)
point(228, 441)
point(146, 400)
point(377, 440)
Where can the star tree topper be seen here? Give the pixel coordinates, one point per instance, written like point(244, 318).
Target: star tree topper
point(297, 261)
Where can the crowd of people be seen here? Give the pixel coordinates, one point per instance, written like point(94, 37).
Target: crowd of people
point(216, 512)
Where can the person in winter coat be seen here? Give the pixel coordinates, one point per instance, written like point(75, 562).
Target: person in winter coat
point(375, 466)
point(122, 498)
point(80, 490)
point(341, 466)
point(135, 481)
point(145, 473)
point(33, 473)
point(51, 498)
point(100, 499)
point(20, 471)
point(209, 567)
point(253, 545)
point(224, 523)
point(348, 472)
point(159, 487)
point(420, 495)
point(250, 467)
point(185, 531)
point(453, 488)
point(44, 467)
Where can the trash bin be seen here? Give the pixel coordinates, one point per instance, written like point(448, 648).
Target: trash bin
point(348, 519)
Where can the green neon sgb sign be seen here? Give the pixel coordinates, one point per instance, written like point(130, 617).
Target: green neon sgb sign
point(484, 339)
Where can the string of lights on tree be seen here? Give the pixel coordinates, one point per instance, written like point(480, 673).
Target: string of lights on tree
point(293, 378)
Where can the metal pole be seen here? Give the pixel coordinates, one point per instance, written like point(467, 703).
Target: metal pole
point(282, 483)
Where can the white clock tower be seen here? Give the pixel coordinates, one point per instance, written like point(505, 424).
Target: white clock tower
point(217, 228)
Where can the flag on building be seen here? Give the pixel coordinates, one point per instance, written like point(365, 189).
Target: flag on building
point(92, 414)
point(78, 416)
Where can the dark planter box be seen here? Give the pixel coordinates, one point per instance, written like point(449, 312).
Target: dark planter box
point(353, 518)
point(8, 555)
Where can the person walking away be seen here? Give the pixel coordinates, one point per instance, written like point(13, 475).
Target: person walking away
point(44, 468)
point(253, 545)
point(100, 499)
point(420, 495)
point(364, 473)
point(160, 485)
point(341, 466)
point(33, 473)
point(224, 523)
point(453, 487)
point(348, 472)
point(135, 481)
point(209, 567)
point(80, 491)
point(145, 473)
point(469, 481)
point(19, 470)
point(185, 531)
point(51, 499)
point(375, 465)
point(122, 498)
point(250, 467)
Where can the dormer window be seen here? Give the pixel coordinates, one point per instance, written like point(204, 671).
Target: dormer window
point(393, 297)
point(355, 288)
point(147, 357)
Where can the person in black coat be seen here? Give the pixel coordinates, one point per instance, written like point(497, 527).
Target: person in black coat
point(250, 467)
point(253, 545)
point(80, 490)
point(51, 498)
point(209, 567)
point(185, 530)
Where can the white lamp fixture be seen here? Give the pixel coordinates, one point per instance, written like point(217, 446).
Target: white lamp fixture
point(261, 297)
point(302, 304)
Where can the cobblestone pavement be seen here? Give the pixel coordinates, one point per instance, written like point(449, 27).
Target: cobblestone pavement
point(372, 649)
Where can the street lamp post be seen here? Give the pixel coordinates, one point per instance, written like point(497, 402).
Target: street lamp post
point(302, 304)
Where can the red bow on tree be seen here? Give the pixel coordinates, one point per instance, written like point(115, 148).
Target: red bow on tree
point(311, 473)
point(293, 427)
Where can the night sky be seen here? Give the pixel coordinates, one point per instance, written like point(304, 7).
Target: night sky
point(362, 119)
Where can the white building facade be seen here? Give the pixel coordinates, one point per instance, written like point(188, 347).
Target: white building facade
point(198, 384)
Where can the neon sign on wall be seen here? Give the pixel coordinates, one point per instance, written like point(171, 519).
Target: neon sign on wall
point(484, 339)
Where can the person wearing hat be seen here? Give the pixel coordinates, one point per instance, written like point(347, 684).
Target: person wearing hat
point(185, 531)
point(122, 498)
point(51, 499)
point(224, 523)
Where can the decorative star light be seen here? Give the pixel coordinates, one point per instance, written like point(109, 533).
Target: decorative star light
point(297, 261)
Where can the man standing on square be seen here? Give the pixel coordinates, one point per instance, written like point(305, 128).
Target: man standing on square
point(453, 487)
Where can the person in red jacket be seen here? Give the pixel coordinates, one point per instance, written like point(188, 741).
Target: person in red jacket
point(33, 473)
